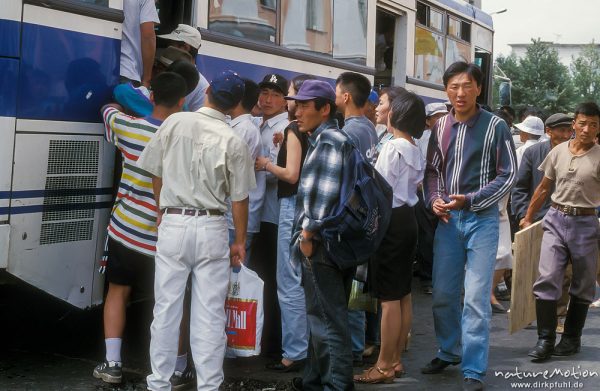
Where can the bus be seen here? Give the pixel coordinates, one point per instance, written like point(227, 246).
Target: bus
point(59, 61)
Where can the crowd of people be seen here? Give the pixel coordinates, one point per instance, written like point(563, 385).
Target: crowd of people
point(231, 172)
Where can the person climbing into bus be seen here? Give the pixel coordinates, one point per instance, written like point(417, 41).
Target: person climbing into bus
point(132, 228)
point(138, 44)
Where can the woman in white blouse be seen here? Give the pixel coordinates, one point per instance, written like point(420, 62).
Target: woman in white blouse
point(403, 166)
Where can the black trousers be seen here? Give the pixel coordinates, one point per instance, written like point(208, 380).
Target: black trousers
point(427, 222)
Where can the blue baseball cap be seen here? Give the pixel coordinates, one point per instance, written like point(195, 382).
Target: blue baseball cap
point(227, 88)
point(313, 89)
point(373, 97)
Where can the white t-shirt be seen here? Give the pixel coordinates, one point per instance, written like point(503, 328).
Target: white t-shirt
point(136, 12)
point(403, 166)
point(521, 150)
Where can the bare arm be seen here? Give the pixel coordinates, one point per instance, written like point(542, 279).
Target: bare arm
point(156, 188)
point(291, 172)
point(148, 50)
point(239, 210)
point(537, 200)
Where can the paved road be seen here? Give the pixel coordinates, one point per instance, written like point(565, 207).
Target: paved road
point(45, 345)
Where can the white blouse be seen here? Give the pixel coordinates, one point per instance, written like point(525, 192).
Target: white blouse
point(403, 165)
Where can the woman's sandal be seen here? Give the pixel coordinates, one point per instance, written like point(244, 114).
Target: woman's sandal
point(398, 373)
point(366, 377)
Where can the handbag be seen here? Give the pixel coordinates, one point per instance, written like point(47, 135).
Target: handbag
point(361, 301)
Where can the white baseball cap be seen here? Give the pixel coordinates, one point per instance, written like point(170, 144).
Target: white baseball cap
point(185, 33)
point(435, 108)
point(532, 125)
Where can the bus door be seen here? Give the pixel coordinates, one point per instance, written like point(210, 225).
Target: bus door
point(61, 184)
point(390, 46)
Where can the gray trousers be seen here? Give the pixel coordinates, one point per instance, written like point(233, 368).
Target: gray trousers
point(574, 237)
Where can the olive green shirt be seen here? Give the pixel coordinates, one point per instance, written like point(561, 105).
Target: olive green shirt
point(201, 161)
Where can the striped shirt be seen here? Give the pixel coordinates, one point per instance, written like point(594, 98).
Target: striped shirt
point(133, 218)
point(476, 158)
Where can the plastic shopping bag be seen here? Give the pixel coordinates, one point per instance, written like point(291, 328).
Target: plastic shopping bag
point(244, 310)
point(361, 301)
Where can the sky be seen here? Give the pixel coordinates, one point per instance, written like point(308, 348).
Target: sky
point(566, 21)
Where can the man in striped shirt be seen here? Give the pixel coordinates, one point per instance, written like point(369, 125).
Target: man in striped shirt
point(471, 165)
point(132, 227)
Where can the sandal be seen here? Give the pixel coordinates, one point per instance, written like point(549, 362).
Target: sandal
point(398, 373)
point(366, 377)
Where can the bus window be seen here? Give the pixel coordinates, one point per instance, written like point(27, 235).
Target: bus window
point(307, 26)
point(172, 13)
point(384, 48)
point(251, 19)
point(350, 30)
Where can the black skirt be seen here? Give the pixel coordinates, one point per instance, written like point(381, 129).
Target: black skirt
point(390, 269)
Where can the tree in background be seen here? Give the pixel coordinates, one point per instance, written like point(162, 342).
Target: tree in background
point(539, 79)
point(586, 74)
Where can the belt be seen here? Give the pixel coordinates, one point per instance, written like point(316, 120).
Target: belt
point(574, 211)
point(193, 212)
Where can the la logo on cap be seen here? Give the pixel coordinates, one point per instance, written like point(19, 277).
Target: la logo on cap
point(273, 79)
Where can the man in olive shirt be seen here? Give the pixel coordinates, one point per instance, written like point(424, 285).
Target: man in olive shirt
point(197, 161)
point(571, 230)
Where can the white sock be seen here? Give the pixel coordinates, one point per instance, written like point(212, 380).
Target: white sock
point(181, 363)
point(113, 349)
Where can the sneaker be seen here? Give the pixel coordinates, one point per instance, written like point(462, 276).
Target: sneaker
point(109, 372)
point(183, 380)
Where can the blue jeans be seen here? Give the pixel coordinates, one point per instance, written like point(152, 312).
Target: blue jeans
point(356, 321)
point(464, 255)
point(294, 330)
point(327, 289)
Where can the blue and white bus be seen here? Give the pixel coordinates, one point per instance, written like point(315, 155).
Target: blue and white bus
point(59, 60)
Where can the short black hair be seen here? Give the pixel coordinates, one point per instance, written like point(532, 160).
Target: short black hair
point(504, 115)
point(509, 110)
point(188, 71)
point(299, 80)
point(320, 102)
point(168, 88)
point(527, 111)
point(251, 92)
point(589, 109)
point(462, 67)
point(357, 85)
point(223, 107)
point(408, 114)
point(393, 92)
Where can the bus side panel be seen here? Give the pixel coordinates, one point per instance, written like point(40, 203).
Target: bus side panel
point(9, 70)
point(66, 75)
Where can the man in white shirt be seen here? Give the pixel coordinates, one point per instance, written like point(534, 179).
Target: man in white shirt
point(138, 44)
point(197, 162)
point(189, 39)
point(530, 131)
point(243, 125)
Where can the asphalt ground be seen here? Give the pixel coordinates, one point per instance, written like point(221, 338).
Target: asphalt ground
point(47, 345)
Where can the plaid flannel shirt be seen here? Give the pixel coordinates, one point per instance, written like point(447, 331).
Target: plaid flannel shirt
point(321, 178)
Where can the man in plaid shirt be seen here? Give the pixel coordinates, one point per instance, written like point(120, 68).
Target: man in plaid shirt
point(326, 287)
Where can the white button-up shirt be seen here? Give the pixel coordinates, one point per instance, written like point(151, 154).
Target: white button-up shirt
point(201, 161)
point(249, 132)
point(277, 124)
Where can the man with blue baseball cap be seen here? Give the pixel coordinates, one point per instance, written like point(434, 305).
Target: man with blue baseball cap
point(326, 287)
point(197, 161)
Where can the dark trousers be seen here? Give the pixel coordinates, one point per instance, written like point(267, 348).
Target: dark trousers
point(427, 223)
point(327, 290)
point(263, 260)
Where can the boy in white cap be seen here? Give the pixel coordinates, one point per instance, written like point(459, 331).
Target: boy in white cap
point(188, 38)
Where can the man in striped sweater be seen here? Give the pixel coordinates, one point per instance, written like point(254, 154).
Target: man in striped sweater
point(471, 165)
point(132, 228)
